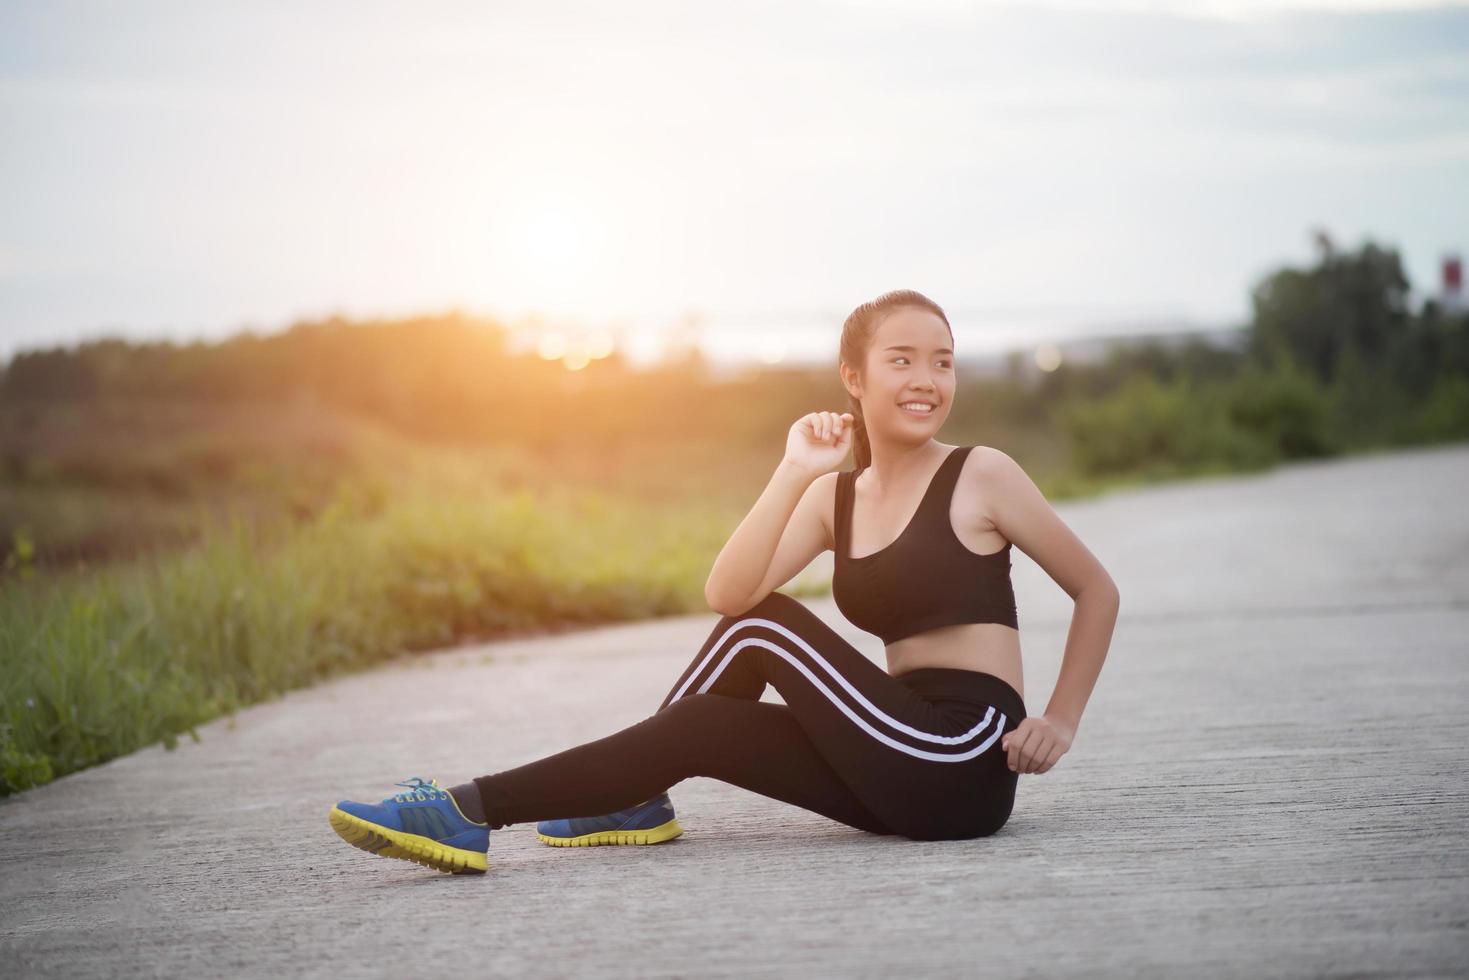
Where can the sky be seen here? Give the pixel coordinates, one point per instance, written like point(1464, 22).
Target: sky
point(745, 173)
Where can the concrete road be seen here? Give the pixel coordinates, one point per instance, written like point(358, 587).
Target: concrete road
point(1268, 781)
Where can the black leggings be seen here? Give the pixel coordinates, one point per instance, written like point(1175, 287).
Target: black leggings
point(917, 755)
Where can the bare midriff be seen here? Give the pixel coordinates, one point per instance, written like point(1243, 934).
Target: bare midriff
point(993, 648)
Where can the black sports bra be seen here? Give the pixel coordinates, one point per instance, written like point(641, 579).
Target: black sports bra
point(925, 579)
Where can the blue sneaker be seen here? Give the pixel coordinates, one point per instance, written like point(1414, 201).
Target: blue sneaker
point(423, 825)
point(649, 822)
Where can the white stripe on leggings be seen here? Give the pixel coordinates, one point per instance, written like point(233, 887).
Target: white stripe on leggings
point(841, 679)
point(832, 696)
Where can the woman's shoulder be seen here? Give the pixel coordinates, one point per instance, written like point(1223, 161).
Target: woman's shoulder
point(984, 466)
point(987, 456)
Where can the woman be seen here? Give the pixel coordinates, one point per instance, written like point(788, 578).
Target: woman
point(929, 749)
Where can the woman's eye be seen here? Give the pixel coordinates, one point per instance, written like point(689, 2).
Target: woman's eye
point(900, 357)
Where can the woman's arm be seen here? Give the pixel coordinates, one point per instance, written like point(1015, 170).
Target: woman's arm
point(747, 555)
point(1023, 515)
point(1092, 621)
point(783, 531)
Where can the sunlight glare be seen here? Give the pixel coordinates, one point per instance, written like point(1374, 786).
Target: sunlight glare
point(553, 238)
point(1048, 357)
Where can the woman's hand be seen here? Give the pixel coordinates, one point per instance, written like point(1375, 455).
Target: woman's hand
point(819, 442)
point(1036, 743)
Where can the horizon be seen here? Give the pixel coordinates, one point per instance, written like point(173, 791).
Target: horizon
point(793, 342)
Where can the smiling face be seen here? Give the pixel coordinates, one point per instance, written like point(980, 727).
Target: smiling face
point(909, 363)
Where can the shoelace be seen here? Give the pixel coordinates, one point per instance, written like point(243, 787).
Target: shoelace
point(419, 789)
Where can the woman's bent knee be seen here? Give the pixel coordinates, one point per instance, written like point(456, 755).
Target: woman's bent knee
point(795, 615)
point(770, 607)
point(695, 711)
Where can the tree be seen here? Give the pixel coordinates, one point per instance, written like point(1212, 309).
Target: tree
point(1353, 300)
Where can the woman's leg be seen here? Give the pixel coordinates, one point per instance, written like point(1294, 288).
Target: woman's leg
point(926, 770)
point(772, 756)
point(756, 746)
point(852, 742)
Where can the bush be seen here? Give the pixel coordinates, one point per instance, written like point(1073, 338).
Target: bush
point(1157, 429)
point(1284, 409)
point(1444, 414)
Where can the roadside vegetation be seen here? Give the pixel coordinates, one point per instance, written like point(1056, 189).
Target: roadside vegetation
point(185, 531)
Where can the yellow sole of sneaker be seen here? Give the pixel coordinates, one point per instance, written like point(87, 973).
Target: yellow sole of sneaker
point(377, 839)
point(653, 835)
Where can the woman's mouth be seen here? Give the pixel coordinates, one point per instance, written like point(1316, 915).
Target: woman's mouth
point(917, 409)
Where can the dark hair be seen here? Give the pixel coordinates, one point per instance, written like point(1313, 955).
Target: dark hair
point(857, 333)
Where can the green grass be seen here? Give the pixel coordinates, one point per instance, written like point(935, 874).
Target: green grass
point(98, 663)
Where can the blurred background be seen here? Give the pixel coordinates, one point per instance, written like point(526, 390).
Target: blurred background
point(331, 332)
